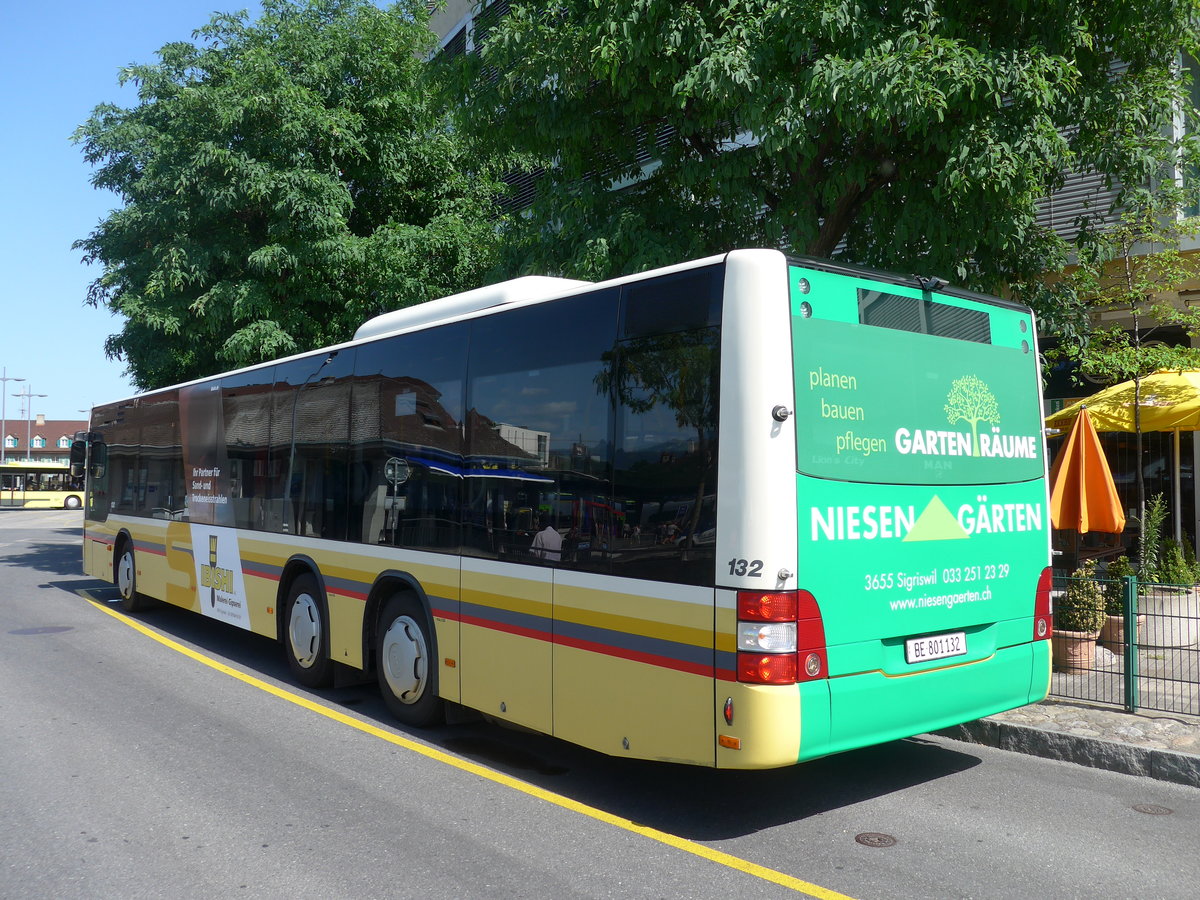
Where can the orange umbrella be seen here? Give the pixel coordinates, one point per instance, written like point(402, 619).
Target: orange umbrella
point(1082, 493)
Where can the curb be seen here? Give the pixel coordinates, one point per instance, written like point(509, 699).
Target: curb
point(1162, 765)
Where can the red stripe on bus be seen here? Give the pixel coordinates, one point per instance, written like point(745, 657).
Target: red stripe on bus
point(663, 662)
point(506, 628)
point(270, 576)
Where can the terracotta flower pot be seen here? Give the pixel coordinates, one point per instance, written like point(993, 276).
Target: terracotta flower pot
point(1112, 633)
point(1074, 649)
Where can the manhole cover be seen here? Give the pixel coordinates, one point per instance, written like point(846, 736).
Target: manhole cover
point(875, 839)
point(43, 629)
point(1153, 809)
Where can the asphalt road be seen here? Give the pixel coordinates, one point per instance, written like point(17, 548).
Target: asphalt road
point(130, 767)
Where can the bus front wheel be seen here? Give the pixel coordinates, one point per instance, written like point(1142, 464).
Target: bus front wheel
point(307, 638)
point(72, 502)
point(125, 576)
point(406, 661)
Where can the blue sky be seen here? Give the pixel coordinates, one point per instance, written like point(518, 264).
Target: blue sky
point(57, 62)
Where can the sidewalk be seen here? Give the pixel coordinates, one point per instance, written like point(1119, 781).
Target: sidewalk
point(1158, 745)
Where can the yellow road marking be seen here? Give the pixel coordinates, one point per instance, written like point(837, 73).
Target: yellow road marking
point(662, 837)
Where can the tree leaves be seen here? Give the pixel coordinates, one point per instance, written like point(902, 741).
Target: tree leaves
point(913, 136)
point(286, 178)
point(282, 180)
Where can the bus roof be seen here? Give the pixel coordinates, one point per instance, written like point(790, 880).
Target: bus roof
point(533, 288)
point(529, 287)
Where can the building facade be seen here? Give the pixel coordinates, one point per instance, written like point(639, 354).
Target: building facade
point(40, 439)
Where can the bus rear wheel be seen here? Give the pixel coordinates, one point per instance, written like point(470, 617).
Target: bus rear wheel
point(72, 502)
point(406, 661)
point(307, 637)
point(125, 577)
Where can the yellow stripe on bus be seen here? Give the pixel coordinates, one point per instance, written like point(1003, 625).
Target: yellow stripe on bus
point(717, 856)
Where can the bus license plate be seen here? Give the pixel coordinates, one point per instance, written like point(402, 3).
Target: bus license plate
point(937, 646)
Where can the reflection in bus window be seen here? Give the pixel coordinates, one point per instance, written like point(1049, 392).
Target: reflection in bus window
point(666, 453)
point(406, 453)
point(246, 408)
point(538, 432)
point(314, 393)
point(161, 456)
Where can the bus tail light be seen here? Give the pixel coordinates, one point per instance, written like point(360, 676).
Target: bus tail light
point(1043, 620)
point(780, 638)
point(771, 606)
point(767, 668)
point(810, 641)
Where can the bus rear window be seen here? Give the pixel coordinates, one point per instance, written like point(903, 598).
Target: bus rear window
point(895, 389)
point(884, 310)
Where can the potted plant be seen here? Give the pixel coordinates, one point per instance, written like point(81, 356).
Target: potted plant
point(1112, 632)
point(1174, 567)
point(1078, 617)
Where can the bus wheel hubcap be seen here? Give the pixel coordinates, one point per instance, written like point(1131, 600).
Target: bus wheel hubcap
point(304, 630)
point(125, 575)
point(405, 659)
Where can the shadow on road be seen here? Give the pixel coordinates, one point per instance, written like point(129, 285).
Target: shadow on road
point(695, 803)
point(47, 556)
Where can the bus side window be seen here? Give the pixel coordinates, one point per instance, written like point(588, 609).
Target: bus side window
point(666, 455)
point(539, 431)
point(162, 456)
point(664, 379)
point(246, 408)
point(406, 465)
point(313, 393)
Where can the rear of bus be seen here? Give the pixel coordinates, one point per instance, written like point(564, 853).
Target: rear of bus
point(921, 588)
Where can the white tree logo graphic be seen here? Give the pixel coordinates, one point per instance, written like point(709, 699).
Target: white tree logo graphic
point(972, 402)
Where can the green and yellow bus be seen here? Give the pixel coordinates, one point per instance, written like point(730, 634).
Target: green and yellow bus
point(740, 512)
point(39, 485)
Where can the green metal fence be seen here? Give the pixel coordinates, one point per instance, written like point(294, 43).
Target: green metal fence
point(1144, 651)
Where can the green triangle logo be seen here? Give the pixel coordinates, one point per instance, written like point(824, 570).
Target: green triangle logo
point(936, 523)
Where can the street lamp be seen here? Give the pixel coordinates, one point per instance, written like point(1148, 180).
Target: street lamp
point(4, 411)
point(28, 395)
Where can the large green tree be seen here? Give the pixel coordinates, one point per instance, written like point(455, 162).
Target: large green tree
point(282, 180)
point(914, 135)
point(1128, 274)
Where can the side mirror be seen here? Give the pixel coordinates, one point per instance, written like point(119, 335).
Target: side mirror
point(78, 458)
point(99, 461)
point(89, 454)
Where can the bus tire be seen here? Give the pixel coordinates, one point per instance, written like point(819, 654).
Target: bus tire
point(72, 502)
point(406, 661)
point(125, 578)
point(306, 634)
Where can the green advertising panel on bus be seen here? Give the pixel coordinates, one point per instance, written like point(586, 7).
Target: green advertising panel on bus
point(920, 464)
point(889, 405)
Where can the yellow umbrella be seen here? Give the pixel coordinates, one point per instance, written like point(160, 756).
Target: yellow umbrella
point(1169, 400)
point(1082, 493)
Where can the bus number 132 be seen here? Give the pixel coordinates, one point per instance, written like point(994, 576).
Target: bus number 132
point(751, 567)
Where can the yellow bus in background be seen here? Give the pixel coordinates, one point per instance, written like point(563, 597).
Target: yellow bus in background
point(39, 485)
